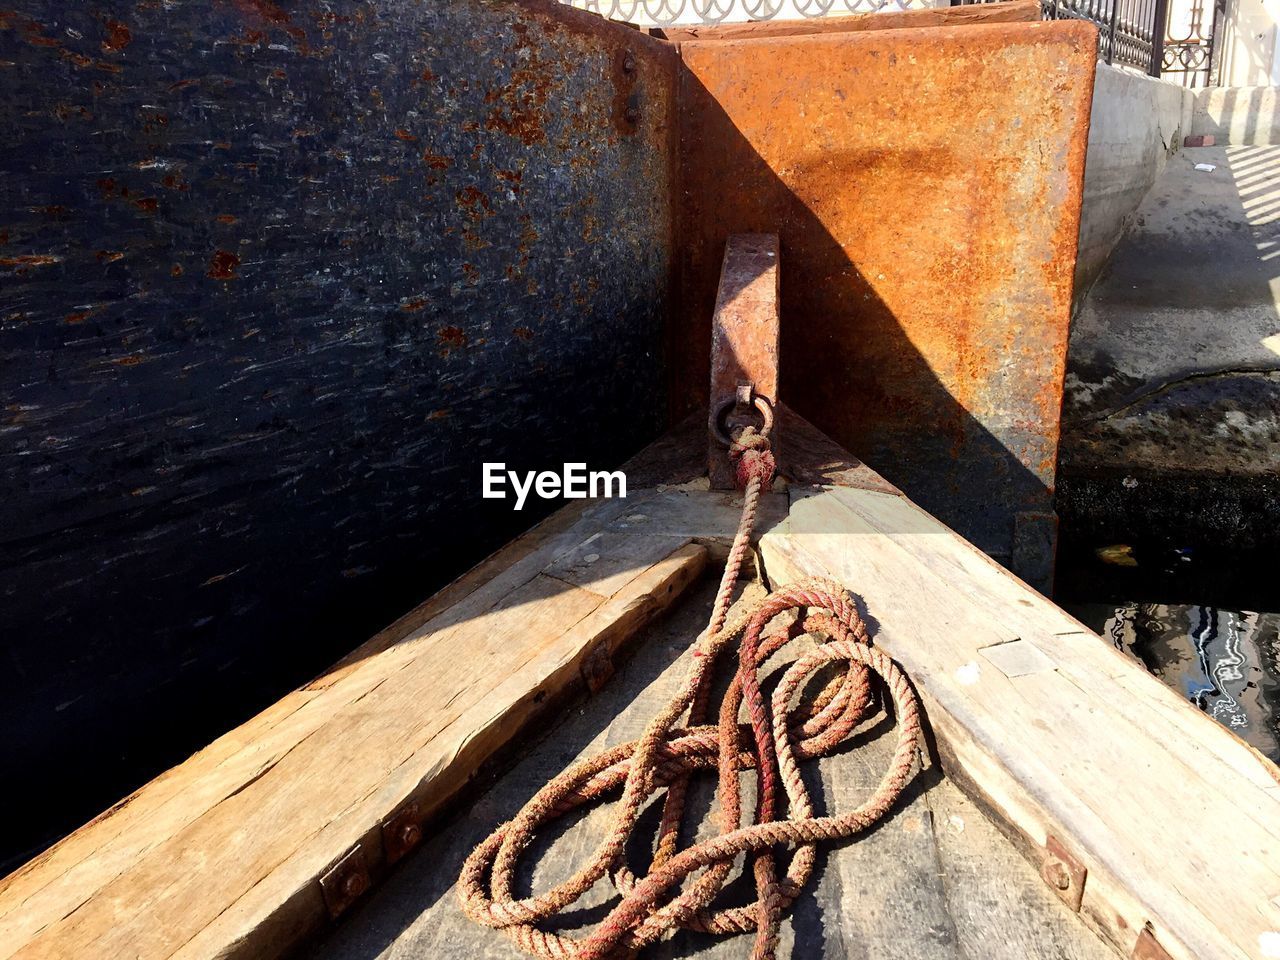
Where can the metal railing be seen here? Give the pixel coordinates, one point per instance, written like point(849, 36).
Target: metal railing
point(1189, 43)
point(665, 13)
point(1131, 31)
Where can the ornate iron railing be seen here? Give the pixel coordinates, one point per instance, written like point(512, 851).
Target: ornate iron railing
point(1188, 43)
point(665, 13)
point(1131, 31)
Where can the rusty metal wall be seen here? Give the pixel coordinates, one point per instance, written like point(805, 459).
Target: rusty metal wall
point(275, 278)
point(926, 186)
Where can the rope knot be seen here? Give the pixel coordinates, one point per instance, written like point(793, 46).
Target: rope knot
point(751, 452)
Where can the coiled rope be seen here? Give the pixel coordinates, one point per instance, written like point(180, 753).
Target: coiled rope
point(774, 741)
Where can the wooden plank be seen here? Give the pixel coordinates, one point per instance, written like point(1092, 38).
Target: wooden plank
point(222, 855)
point(998, 902)
point(1062, 751)
point(1012, 11)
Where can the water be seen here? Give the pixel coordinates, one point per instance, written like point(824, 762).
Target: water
point(1226, 662)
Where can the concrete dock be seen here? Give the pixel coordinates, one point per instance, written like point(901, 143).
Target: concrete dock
point(1172, 405)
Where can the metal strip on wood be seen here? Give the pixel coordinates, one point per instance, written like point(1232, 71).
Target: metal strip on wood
point(744, 339)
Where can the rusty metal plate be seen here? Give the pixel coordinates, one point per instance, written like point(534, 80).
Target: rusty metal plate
point(401, 833)
point(928, 209)
point(1064, 874)
point(744, 336)
point(1148, 947)
point(597, 668)
point(345, 882)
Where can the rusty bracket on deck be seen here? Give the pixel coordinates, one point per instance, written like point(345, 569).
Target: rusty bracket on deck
point(401, 832)
point(1148, 947)
point(744, 345)
point(597, 668)
point(345, 882)
point(1064, 873)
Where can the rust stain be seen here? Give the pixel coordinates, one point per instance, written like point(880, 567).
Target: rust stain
point(474, 203)
point(176, 270)
point(147, 204)
point(512, 178)
point(118, 36)
point(80, 317)
point(30, 260)
point(519, 106)
point(223, 265)
point(109, 256)
point(414, 305)
point(452, 338)
point(265, 9)
point(402, 134)
point(226, 218)
point(523, 333)
point(129, 360)
point(438, 414)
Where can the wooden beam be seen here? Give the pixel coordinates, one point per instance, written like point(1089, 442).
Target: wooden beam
point(225, 854)
point(1055, 733)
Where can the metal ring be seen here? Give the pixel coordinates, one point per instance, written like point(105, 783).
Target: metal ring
point(762, 405)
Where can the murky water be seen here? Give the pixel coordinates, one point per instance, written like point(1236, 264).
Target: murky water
point(1226, 662)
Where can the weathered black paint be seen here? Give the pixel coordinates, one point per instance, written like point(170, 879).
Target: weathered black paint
point(274, 280)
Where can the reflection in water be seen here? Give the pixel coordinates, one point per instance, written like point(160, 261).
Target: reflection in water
point(1225, 662)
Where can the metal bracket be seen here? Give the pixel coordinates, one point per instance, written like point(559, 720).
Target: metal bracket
point(401, 832)
point(744, 341)
point(1064, 874)
point(597, 668)
point(345, 882)
point(1148, 947)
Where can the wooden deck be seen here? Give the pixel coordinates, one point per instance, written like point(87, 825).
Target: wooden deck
point(247, 849)
point(936, 881)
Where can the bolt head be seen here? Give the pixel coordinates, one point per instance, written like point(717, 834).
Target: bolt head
point(1057, 875)
point(354, 885)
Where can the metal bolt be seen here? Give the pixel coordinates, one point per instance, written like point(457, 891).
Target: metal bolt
point(410, 834)
point(632, 115)
point(629, 63)
point(354, 885)
point(1057, 874)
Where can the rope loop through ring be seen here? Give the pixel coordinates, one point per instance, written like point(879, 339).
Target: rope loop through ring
point(762, 406)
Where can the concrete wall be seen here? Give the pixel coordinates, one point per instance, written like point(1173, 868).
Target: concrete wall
point(1245, 45)
point(1238, 115)
point(1138, 122)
